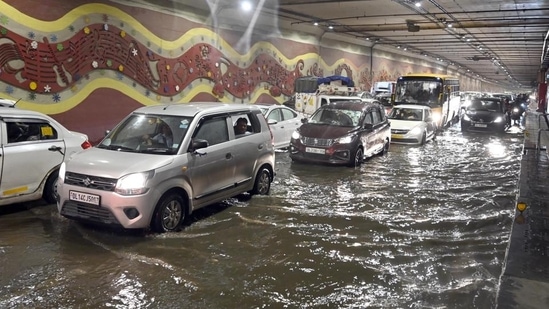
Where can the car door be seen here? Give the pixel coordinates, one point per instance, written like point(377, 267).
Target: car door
point(368, 135)
point(31, 148)
point(211, 167)
point(247, 149)
point(277, 125)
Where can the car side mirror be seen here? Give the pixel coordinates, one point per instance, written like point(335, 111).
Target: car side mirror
point(198, 144)
point(304, 120)
point(368, 126)
point(107, 132)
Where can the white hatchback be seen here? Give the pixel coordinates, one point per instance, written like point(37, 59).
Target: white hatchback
point(283, 121)
point(33, 146)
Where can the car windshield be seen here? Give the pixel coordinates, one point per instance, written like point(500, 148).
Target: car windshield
point(157, 134)
point(406, 114)
point(336, 117)
point(482, 105)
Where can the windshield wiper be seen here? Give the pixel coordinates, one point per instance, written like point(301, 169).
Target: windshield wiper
point(117, 147)
point(157, 150)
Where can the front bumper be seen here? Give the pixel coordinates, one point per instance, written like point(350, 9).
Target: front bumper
point(129, 212)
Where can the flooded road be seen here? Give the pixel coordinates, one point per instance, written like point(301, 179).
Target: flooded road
point(422, 227)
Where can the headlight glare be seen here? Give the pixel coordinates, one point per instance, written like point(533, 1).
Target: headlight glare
point(345, 140)
point(133, 184)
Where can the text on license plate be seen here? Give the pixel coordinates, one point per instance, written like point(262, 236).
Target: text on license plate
point(84, 197)
point(481, 125)
point(315, 150)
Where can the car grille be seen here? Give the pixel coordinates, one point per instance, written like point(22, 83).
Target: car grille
point(322, 142)
point(397, 131)
point(88, 213)
point(92, 182)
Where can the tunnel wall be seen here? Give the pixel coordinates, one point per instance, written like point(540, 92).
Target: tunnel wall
point(90, 64)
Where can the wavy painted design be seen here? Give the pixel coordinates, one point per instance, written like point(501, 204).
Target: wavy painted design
point(104, 47)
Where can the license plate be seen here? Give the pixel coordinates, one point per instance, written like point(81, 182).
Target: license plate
point(481, 125)
point(315, 150)
point(84, 197)
point(397, 136)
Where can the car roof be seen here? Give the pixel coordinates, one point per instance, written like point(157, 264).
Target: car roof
point(7, 102)
point(17, 112)
point(191, 109)
point(412, 106)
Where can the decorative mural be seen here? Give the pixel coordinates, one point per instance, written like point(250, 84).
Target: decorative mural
point(89, 64)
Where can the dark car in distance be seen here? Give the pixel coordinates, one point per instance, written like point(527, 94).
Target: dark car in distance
point(342, 133)
point(484, 115)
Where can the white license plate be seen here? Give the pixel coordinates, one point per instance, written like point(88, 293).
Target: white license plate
point(481, 125)
point(315, 150)
point(84, 197)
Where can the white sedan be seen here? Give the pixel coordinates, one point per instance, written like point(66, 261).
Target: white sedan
point(283, 121)
point(412, 124)
point(32, 147)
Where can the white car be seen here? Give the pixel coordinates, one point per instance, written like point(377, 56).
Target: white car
point(283, 121)
point(412, 124)
point(33, 146)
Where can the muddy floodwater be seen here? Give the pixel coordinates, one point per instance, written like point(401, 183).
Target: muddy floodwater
point(421, 227)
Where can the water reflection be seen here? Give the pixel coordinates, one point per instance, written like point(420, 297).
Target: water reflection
point(422, 227)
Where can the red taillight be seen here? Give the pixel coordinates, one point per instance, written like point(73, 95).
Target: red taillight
point(86, 145)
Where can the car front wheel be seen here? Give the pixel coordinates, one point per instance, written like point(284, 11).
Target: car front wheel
point(169, 214)
point(356, 159)
point(262, 184)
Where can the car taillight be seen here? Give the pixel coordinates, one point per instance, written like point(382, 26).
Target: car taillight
point(86, 145)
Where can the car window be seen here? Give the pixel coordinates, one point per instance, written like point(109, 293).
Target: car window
point(22, 131)
point(213, 130)
point(252, 124)
point(368, 119)
point(288, 114)
point(376, 117)
point(275, 115)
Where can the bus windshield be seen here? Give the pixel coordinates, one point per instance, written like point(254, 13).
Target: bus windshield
point(416, 91)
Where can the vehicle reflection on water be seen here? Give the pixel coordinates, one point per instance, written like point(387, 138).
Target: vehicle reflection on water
point(422, 227)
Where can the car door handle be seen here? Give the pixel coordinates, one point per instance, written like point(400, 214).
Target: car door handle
point(260, 146)
point(228, 156)
point(56, 148)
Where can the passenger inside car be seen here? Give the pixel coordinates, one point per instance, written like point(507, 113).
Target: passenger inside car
point(241, 127)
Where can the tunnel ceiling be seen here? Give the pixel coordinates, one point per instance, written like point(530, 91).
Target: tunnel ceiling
point(501, 42)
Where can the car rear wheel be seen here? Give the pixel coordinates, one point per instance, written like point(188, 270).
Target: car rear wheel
point(169, 214)
point(356, 159)
point(50, 188)
point(262, 184)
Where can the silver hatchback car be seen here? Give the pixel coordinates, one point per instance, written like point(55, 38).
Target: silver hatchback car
point(163, 162)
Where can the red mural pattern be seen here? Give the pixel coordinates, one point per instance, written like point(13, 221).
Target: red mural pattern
point(55, 67)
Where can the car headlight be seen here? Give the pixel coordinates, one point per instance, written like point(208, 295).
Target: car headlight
point(133, 184)
point(296, 135)
point(436, 117)
point(415, 131)
point(515, 110)
point(345, 140)
point(498, 119)
point(466, 117)
point(62, 170)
